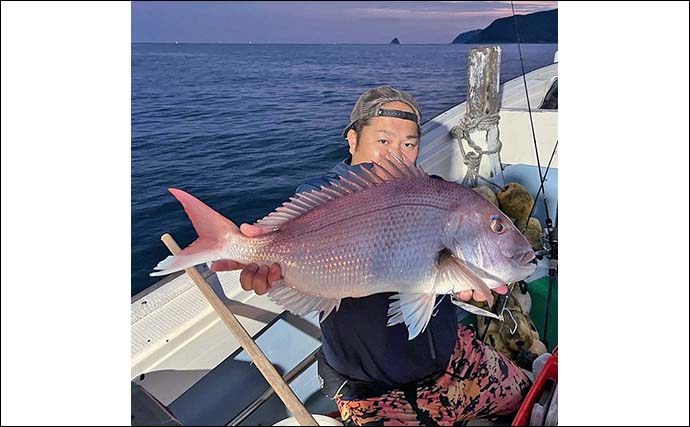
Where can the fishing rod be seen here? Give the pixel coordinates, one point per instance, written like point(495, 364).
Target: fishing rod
point(529, 108)
point(550, 231)
point(541, 187)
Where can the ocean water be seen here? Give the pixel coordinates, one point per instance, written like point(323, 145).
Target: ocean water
point(241, 126)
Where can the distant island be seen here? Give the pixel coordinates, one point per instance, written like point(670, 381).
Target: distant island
point(538, 27)
point(466, 37)
point(395, 41)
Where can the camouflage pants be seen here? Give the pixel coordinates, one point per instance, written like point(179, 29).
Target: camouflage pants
point(478, 382)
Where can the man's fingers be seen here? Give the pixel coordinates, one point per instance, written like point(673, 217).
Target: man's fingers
point(274, 273)
point(503, 289)
point(225, 265)
point(250, 230)
point(465, 295)
point(479, 297)
point(247, 276)
point(260, 280)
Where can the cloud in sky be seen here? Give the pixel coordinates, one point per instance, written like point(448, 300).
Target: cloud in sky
point(317, 22)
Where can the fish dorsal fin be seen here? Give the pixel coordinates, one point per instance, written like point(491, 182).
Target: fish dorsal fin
point(390, 168)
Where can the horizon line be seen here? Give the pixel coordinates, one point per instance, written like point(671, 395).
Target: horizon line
point(331, 43)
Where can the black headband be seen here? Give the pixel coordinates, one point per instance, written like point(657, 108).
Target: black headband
point(398, 114)
point(382, 112)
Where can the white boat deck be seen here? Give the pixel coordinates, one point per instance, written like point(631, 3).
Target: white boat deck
point(175, 318)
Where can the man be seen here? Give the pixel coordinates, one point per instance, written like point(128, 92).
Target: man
point(376, 374)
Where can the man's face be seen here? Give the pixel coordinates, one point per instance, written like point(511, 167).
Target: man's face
point(383, 135)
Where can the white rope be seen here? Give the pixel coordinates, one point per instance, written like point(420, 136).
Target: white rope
point(473, 159)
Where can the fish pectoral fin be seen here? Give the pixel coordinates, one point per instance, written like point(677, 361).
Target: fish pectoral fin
point(453, 274)
point(299, 302)
point(414, 310)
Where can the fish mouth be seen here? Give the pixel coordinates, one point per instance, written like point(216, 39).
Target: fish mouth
point(528, 264)
point(523, 259)
point(526, 261)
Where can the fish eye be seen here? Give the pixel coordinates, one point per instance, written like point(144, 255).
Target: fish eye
point(496, 226)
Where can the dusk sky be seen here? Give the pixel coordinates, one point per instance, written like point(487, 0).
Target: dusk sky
point(317, 22)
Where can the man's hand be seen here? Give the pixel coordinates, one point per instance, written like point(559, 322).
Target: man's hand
point(478, 296)
point(252, 276)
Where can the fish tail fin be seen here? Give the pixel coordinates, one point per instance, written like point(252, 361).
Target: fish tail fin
point(213, 229)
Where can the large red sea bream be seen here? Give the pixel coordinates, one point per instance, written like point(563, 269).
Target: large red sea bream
point(388, 228)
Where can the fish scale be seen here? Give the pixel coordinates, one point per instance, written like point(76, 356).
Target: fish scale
point(384, 238)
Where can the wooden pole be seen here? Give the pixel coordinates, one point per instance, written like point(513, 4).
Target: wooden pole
point(275, 380)
point(483, 79)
